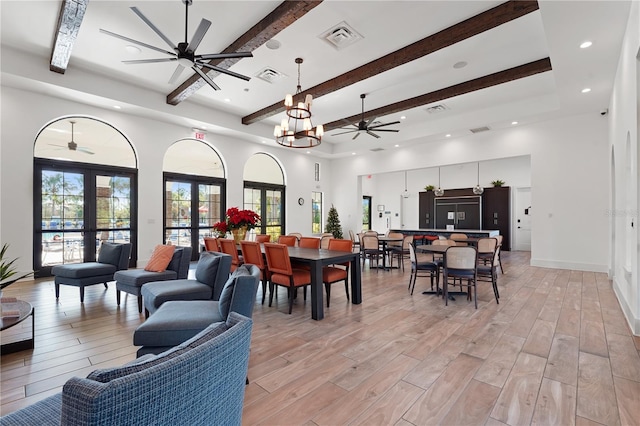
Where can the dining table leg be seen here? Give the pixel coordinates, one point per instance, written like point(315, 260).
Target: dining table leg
point(317, 308)
point(356, 281)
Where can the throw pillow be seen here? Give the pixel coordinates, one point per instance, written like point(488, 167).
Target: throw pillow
point(224, 304)
point(105, 375)
point(110, 253)
point(160, 258)
point(207, 267)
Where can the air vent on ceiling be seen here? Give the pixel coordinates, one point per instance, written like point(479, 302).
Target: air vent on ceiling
point(376, 149)
point(479, 129)
point(269, 75)
point(341, 35)
point(437, 108)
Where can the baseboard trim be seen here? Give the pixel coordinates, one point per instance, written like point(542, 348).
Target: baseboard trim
point(634, 323)
point(554, 264)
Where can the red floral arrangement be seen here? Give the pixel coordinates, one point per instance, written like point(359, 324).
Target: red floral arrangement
point(220, 228)
point(241, 218)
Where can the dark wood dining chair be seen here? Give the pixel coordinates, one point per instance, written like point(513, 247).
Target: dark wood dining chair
point(282, 273)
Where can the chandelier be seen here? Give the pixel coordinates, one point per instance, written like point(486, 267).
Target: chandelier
point(296, 130)
point(439, 192)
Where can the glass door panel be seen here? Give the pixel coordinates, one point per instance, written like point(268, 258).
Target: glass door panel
point(209, 210)
point(113, 210)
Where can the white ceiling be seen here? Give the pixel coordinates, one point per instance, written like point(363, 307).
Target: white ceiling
point(555, 30)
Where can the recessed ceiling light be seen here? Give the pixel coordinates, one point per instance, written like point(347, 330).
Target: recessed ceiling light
point(273, 44)
point(308, 152)
point(353, 153)
point(264, 141)
point(514, 123)
point(227, 100)
point(586, 90)
point(396, 145)
point(132, 49)
point(448, 135)
point(585, 44)
point(459, 65)
point(117, 106)
point(403, 118)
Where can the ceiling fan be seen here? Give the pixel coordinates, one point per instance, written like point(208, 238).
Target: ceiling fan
point(366, 126)
point(184, 53)
point(72, 146)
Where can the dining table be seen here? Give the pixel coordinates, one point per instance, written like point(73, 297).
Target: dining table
point(383, 242)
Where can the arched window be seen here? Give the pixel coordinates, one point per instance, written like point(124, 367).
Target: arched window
point(264, 193)
point(85, 175)
point(194, 187)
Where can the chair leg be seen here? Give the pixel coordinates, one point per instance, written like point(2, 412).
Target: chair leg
point(264, 290)
point(81, 294)
point(106, 286)
point(346, 288)
point(146, 313)
point(139, 303)
point(57, 286)
point(271, 288)
point(291, 302)
point(118, 297)
point(327, 287)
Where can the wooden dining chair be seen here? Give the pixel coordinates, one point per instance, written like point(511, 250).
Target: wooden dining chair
point(340, 272)
point(356, 243)
point(461, 262)
point(229, 247)
point(401, 252)
point(263, 238)
point(282, 273)
point(488, 254)
point(370, 249)
point(417, 268)
point(211, 244)
point(252, 254)
point(324, 240)
point(459, 239)
point(288, 240)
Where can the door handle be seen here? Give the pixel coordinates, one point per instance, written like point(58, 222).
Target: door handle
point(519, 227)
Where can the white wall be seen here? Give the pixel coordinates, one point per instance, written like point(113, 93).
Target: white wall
point(568, 180)
point(624, 114)
point(24, 113)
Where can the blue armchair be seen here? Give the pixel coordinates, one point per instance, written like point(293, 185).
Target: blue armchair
point(200, 382)
point(113, 257)
point(131, 280)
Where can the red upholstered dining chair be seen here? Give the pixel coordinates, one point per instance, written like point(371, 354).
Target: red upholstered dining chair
point(211, 244)
point(288, 240)
point(309, 242)
point(263, 238)
point(252, 254)
point(281, 272)
point(336, 273)
point(229, 247)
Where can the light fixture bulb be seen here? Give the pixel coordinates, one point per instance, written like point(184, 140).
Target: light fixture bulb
point(288, 100)
point(478, 190)
point(439, 192)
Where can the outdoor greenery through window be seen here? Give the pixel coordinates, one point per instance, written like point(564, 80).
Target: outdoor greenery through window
point(267, 202)
point(316, 212)
point(366, 213)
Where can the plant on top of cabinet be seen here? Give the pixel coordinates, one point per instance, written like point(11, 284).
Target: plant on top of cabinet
point(497, 183)
point(429, 188)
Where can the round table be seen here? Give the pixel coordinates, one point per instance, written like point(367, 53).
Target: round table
point(23, 311)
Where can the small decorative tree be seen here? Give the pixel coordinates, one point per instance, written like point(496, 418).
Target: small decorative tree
point(333, 223)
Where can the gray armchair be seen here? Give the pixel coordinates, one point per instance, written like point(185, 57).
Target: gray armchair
point(212, 271)
point(113, 257)
point(131, 281)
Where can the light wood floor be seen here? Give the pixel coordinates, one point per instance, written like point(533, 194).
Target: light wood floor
point(556, 350)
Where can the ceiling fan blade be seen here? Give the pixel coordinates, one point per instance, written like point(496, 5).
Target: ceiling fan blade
point(225, 55)
point(153, 27)
point(224, 71)
point(343, 133)
point(373, 134)
point(370, 122)
point(149, 61)
point(199, 34)
point(384, 124)
point(176, 74)
point(85, 150)
point(205, 77)
point(130, 40)
point(58, 146)
point(384, 130)
point(348, 123)
point(356, 135)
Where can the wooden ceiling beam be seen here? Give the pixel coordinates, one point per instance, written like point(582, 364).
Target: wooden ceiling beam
point(280, 18)
point(515, 73)
point(461, 31)
point(69, 20)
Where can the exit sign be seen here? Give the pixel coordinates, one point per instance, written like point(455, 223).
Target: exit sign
point(200, 136)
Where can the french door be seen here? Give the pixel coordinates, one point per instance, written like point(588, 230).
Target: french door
point(77, 207)
point(192, 204)
point(268, 201)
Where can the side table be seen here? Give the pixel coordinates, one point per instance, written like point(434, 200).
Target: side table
point(23, 310)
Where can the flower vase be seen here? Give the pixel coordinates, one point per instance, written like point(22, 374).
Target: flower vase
point(239, 234)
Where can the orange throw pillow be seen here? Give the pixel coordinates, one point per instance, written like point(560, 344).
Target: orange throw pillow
point(160, 258)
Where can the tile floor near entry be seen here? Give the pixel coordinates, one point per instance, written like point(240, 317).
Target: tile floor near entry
point(556, 350)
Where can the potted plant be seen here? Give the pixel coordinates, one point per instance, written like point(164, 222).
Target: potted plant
point(429, 188)
point(8, 273)
point(497, 183)
point(240, 221)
